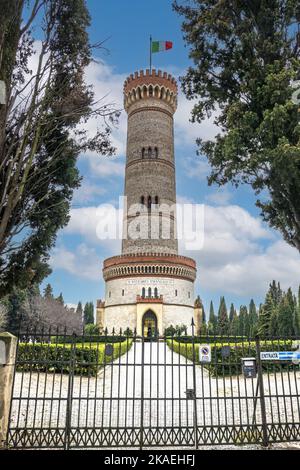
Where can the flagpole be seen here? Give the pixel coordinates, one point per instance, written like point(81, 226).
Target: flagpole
point(150, 54)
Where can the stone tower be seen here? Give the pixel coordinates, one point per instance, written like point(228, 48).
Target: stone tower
point(149, 286)
point(150, 102)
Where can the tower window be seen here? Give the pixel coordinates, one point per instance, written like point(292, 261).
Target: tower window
point(143, 292)
point(142, 200)
point(149, 202)
point(156, 200)
point(109, 294)
point(155, 293)
point(123, 292)
point(149, 292)
point(189, 295)
point(143, 152)
point(176, 293)
point(149, 152)
point(156, 152)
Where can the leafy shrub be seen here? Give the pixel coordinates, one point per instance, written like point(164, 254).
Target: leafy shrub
point(83, 359)
point(87, 339)
point(232, 365)
point(91, 329)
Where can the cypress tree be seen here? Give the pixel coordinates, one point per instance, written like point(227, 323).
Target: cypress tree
point(243, 321)
point(253, 319)
point(223, 322)
point(60, 299)
point(88, 313)
point(286, 317)
point(265, 315)
point(48, 292)
point(212, 323)
point(79, 309)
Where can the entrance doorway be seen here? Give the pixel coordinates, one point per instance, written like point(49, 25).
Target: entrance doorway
point(149, 326)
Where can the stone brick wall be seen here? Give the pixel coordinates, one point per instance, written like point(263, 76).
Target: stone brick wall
point(150, 126)
point(174, 290)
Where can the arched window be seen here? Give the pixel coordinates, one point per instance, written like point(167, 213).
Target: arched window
point(143, 292)
point(143, 152)
point(156, 152)
point(155, 292)
point(156, 200)
point(149, 292)
point(142, 200)
point(149, 152)
point(149, 202)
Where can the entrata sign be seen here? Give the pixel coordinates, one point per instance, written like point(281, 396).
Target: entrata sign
point(279, 355)
point(205, 353)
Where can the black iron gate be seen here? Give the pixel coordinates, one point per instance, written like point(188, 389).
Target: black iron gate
point(122, 391)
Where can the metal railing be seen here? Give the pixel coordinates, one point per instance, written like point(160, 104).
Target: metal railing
point(123, 391)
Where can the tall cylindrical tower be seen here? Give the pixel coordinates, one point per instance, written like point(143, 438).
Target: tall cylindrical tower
point(149, 286)
point(150, 101)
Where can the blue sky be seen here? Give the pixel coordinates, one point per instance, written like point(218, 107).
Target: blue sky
point(240, 255)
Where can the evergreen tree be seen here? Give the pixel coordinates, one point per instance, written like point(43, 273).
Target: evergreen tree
point(231, 313)
point(15, 314)
point(253, 319)
point(246, 55)
point(48, 292)
point(286, 319)
point(79, 309)
point(234, 324)
point(88, 313)
point(266, 312)
point(243, 321)
point(61, 299)
point(223, 322)
point(43, 129)
point(212, 323)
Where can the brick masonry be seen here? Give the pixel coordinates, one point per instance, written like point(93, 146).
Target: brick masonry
point(150, 100)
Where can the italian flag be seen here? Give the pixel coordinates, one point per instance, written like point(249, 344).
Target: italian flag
point(159, 46)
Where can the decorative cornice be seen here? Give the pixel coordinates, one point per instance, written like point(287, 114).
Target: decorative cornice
point(150, 108)
point(149, 265)
point(150, 160)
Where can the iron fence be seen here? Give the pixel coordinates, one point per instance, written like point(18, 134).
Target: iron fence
point(126, 391)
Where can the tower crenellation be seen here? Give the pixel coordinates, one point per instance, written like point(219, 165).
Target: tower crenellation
point(157, 84)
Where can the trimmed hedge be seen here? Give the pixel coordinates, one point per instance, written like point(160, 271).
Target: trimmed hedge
point(68, 339)
point(86, 358)
point(208, 339)
point(232, 365)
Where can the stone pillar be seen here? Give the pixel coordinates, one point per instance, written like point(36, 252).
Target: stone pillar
point(8, 344)
point(100, 310)
point(198, 313)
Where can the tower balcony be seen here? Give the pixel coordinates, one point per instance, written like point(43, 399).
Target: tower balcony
point(150, 299)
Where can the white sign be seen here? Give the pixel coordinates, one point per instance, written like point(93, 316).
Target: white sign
point(279, 355)
point(205, 353)
point(2, 353)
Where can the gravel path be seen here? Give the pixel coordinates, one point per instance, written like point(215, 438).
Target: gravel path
point(113, 398)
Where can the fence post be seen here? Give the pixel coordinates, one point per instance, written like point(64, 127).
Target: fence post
point(261, 394)
point(70, 393)
point(8, 345)
point(194, 386)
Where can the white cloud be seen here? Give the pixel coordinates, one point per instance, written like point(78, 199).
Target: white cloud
point(196, 167)
point(105, 167)
point(82, 262)
point(108, 89)
point(187, 132)
point(221, 196)
point(240, 256)
point(87, 192)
